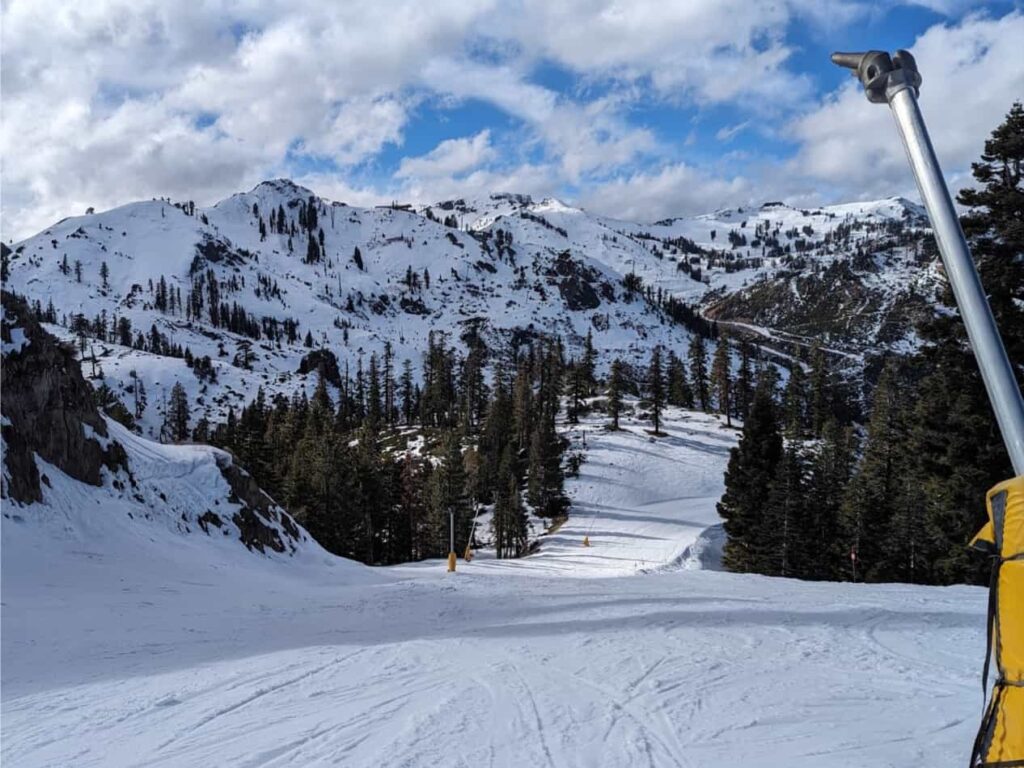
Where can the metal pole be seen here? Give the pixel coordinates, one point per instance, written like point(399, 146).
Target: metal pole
point(451, 540)
point(895, 81)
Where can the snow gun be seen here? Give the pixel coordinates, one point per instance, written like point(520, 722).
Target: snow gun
point(895, 80)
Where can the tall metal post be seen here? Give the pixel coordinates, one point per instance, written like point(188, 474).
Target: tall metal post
point(451, 540)
point(895, 80)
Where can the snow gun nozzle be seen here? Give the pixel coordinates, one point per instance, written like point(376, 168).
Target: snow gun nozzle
point(882, 75)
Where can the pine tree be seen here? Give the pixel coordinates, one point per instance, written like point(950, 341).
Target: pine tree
point(821, 406)
point(721, 378)
point(312, 251)
point(448, 494)
point(873, 494)
point(509, 520)
point(409, 406)
point(357, 258)
point(782, 546)
point(699, 372)
point(794, 403)
point(588, 365)
point(614, 393)
point(748, 478)
point(679, 392)
point(744, 389)
point(175, 426)
point(996, 228)
point(830, 471)
point(656, 389)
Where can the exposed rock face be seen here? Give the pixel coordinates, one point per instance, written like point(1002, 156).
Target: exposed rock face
point(325, 361)
point(576, 283)
point(48, 409)
point(257, 509)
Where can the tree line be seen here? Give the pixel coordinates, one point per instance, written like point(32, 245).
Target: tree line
point(375, 472)
point(810, 494)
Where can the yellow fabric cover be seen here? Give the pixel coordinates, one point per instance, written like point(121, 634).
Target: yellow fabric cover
point(1001, 740)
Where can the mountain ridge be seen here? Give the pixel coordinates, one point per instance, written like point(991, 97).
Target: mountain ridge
point(255, 283)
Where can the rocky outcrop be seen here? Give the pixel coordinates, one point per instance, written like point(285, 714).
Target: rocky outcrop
point(48, 409)
point(325, 362)
point(262, 524)
point(49, 412)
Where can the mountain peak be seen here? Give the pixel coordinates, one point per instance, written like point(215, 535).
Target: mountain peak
point(281, 186)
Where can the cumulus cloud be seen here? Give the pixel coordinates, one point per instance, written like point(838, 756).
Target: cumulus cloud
point(972, 75)
point(114, 100)
point(450, 158)
point(675, 190)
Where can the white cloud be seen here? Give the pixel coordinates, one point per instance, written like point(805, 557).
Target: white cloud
point(115, 100)
point(112, 100)
point(972, 74)
point(729, 132)
point(451, 157)
point(675, 190)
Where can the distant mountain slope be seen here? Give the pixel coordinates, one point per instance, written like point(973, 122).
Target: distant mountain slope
point(259, 281)
point(70, 471)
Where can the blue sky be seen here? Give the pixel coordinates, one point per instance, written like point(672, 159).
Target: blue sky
point(641, 109)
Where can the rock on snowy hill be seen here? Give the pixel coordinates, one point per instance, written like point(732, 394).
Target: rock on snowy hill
point(70, 472)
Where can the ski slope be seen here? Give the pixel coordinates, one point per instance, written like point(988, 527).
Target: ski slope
point(613, 655)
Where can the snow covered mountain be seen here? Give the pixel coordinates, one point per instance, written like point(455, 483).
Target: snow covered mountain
point(262, 281)
point(69, 473)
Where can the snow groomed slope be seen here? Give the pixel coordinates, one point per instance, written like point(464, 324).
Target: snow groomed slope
point(172, 658)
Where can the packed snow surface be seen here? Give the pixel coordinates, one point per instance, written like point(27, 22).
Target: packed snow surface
point(161, 651)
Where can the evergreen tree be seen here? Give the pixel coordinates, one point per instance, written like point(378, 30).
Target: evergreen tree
point(588, 365)
point(312, 251)
point(409, 406)
point(872, 496)
point(794, 403)
point(821, 406)
point(830, 472)
point(614, 393)
point(748, 478)
point(175, 426)
point(679, 392)
point(782, 546)
point(995, 227)
point(448, 495)
point(509, 520)
point(656, 389)
point(699, 372)
point(721, 378)
point(744, 389)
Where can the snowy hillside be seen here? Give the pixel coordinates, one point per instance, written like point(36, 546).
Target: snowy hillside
point(259, 281)
point(73, 476)
point(854, 275)
point(168, 656)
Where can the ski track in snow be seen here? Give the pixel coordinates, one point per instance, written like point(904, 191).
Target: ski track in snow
point(621, 654)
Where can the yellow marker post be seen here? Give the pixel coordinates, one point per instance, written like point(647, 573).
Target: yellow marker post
point(586, 541)
point(451, 541)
